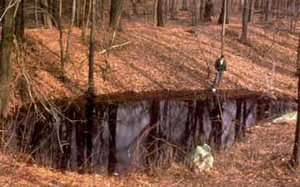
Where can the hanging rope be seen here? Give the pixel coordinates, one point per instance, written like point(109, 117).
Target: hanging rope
point(223, 27)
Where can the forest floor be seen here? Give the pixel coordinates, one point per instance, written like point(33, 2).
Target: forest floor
point(169, 59)
point(261, 159)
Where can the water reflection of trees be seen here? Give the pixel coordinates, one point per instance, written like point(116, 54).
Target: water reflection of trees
point(107, 140)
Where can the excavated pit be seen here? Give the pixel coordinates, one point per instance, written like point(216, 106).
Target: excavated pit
point(119, 135)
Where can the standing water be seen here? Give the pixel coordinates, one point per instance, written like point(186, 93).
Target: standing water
point(117, 137)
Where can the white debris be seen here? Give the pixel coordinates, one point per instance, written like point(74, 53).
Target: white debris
point(286, 117)
point(202, 159)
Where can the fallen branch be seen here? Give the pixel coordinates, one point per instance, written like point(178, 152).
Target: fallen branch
point(113, 47)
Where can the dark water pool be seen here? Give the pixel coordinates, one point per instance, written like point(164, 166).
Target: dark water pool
point(108, 137)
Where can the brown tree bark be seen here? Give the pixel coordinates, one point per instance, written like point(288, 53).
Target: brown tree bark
point(269, 11)
point(161, 13)
point(36, 13)
point(173, 8)
point(46, 18)
point(20, 23)
point(92, 49)
point(296, 151)
point(202, 10)
point(83, 16)
point(167, 7)
point(195, 12)
point(245, 22)
point(78, 13)
point(278, 9)
point(184, 4)
point(5, 58)
point(101, 10)
point(91, 89)
point(251, 10)
point(206, 10)
point(115, 13)
point(209, 10)
point(134, 7)
point(57, 16)
point(70, 30)
point(155, 13)
point(224, 9)
point(87, 23)
point(293, 17)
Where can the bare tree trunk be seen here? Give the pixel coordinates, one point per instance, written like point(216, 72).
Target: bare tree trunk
point(184, 4)
point(60, 10)
point(298, 10)
point(195, 12)
point(83, 8)
point(92, 50)
point(134, 7)
point(278, 9)
point(259, 4)
point(58, 15)
point(287, 8)
point(20, 23)
point(167, 7)
point(269, 11)
point(251, 11)
point(5, 58)
point(70, 31)
point(101, 11)
point(245, 22)
point(223, 26)
point(209, 10)
point(78, 12)
point(263, 9)
point(224, 11)
point(47, 18)
point(202, 10)
point(296, 152)
point(242, 3)
point(161, 13)
point(35, 13)
point(91, 88)
point(155, 13)
point(115, 13)
point(293, 17)
point(87, 21)
point(173, 9)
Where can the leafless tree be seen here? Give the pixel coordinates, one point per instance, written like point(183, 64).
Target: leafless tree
point(296, 152)
point(161, 13)
point(72, 20)
point(5, 54)
point(245, 21)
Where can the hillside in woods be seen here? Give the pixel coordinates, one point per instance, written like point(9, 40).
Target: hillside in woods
point(169, 59)
point(251, 162)
point(173, 59)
